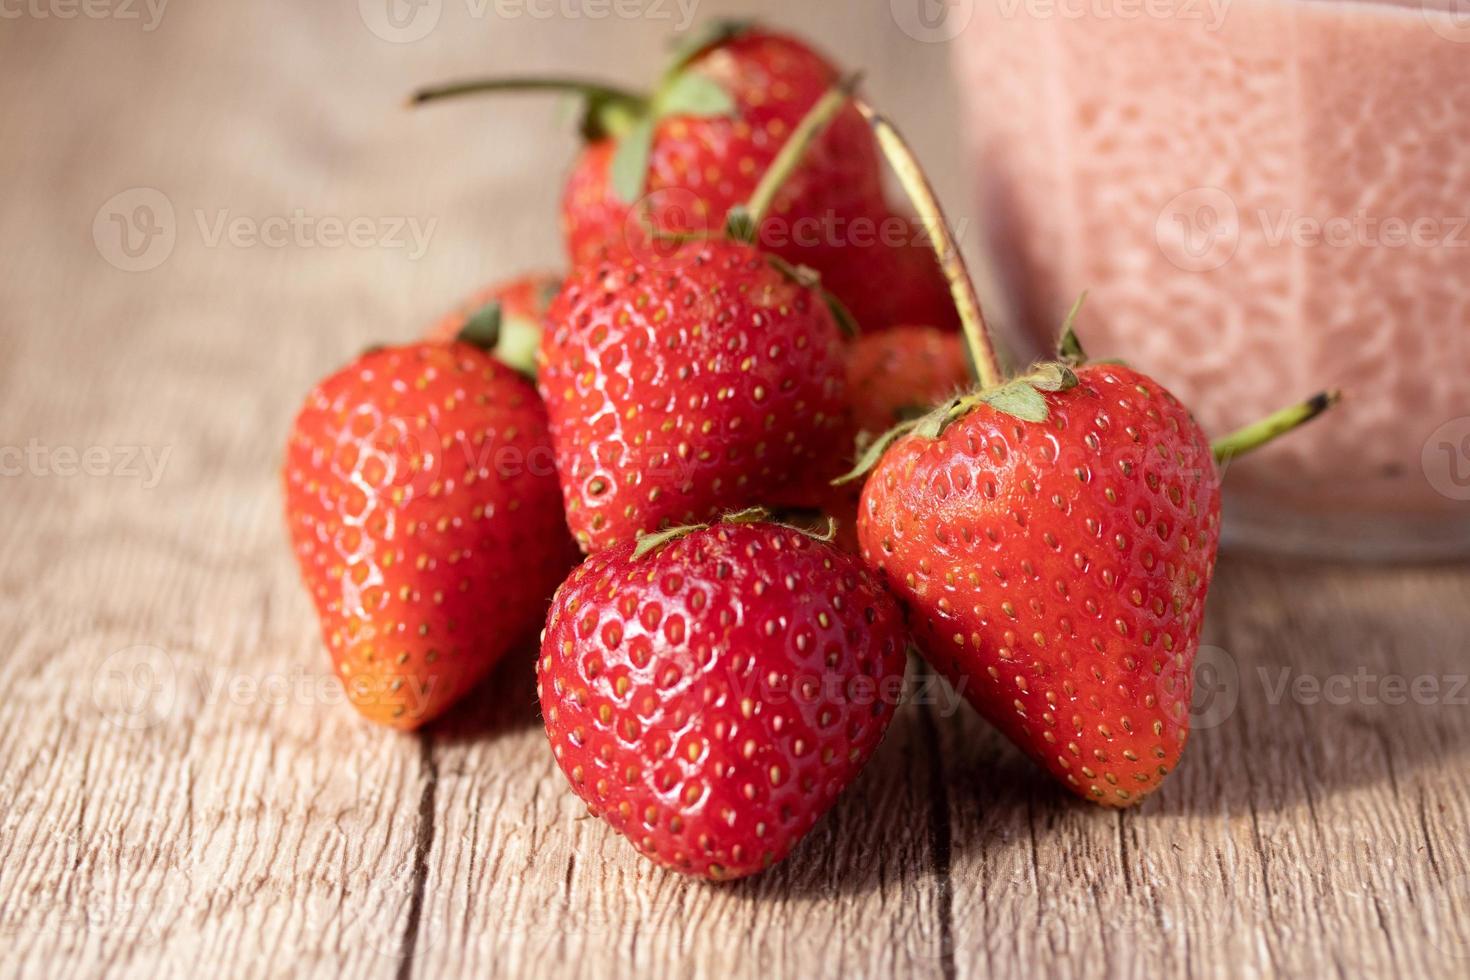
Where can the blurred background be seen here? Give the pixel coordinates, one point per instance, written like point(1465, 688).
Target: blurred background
point(212, 196)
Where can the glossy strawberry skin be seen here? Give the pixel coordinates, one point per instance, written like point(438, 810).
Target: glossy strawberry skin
point(526, 296)
point(1058, 572)
point(711, 699)
point(683, 387)
point(423, 509)
point(831, 214)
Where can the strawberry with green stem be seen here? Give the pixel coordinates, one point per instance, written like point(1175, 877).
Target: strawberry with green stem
point(679, 159)
point(1053, 537)
point(707, 376)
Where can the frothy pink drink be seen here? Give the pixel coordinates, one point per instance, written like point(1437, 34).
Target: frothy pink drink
point(1263, 199)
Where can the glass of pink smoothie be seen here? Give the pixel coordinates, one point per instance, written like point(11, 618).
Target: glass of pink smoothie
point(1263, 198)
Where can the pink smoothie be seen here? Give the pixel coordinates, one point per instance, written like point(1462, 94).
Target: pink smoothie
point(1264, 198)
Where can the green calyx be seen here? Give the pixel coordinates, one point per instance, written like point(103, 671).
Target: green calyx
point(651, 541)
point(684, 93)
point(512, 339)
point(1022, 398)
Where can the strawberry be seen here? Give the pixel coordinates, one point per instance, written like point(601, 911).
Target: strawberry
point(902, 373)
point(680, 159)
point(1056, 571)
point(891, 376)
point(424, 512)
point(681, 387)
point(710, 698)
point(1053, 538)
point(515, 307)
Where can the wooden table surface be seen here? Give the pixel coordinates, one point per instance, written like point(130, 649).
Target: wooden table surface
point(183, 791)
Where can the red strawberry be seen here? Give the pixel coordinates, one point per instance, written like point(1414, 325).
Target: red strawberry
point(1053, 538)
point(423, 508)
point(683, 157)
point(892, 376)
point(517, 306)
point(1056, 571)
point(902, 373)
point(710, 699)
point(684, 387)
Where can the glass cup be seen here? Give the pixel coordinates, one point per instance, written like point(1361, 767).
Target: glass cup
point(1263, 198)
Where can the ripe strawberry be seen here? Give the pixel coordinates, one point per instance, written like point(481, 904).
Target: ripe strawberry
point(711, 698)
point(681, 158)
point(683, 387)
point(516, 307)
point(1053, 538)
point(1058, 569)
point(902, 373)
point(423, 508)
point(891, 376)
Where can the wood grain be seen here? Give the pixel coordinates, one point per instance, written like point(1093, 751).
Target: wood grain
point(186, 794)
